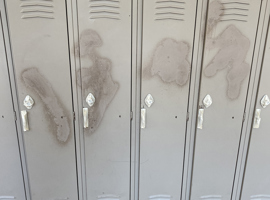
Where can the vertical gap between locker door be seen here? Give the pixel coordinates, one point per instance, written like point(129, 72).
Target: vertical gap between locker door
point(82, 141)
point(189, 92)
point(22, 152)
point(245, 108)
point(72, 100)
point(140, 11)
point(5, 46)
point(254, 108)
point(196, 103)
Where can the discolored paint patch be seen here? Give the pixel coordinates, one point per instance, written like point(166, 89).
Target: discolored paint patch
point(233, 48)
point(37, 83)
point(170, 62)
point(96, 79)
point(216, 9)
point(89, 41)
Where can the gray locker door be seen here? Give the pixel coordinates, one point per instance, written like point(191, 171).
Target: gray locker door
point(11, 179)
point(105, 57)
point(38, 33)
point(168, 33)
point(256, 184)
point(229, 42)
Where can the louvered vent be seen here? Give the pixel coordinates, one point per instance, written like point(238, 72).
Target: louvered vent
point(235, 11)
point(170, 10)
point(37, 9)
point(104, 9)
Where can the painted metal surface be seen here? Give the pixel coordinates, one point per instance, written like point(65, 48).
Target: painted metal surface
point(104, 53)
point(11, 178)
point(40, 51)
point(257, 179)
point(166, 66)
point(228, 52)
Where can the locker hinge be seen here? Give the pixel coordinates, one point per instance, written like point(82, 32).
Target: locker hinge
point(15, 116)
point(187, 116)
point(74, 116)
point(131, 115)
point(244, 116)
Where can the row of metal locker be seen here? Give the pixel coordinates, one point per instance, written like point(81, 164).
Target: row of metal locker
point(134, 100)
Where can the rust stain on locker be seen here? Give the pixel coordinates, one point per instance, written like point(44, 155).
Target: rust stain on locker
point(96, 79)
point(37, 83)
point(170, 62)
point(233, 48)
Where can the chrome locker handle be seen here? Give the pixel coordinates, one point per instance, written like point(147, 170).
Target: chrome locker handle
point(143, 114)
point(257, 119)
point(85, 117)
point(200, 119)
point(207, 102)
point(25, 120)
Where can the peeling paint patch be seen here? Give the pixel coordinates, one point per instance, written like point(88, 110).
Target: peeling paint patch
point(37, 83)
point(96, 79)
point(170, 62)
point(233, 48)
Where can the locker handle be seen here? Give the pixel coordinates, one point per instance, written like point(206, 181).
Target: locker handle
point(25, 120)
point(143, 113)
point(85, 117)
point(257, 118)
point(200, 119)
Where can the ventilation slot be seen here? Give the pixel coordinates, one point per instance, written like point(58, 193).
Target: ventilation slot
point(170, 10)
point(211, 197)
point(104, 9)
point(37, 9)
point(235, 11)
point(260, 197)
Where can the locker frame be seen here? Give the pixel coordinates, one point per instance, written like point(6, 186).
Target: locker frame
point(7, 51)
point(16, 104)
point(15, 98)
point(135, 116)
point(253, 89)
point(192, 128)
point(194, 83)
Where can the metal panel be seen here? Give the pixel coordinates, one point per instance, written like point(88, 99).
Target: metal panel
point(230, 38)
point(38, 32)
point(257, 179)
point(11, 184)
point(167, 47)
point(104, 52)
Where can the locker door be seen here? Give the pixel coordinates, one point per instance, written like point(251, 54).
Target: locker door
point(168, 32)
point(11, 184)
point(257, 179)
point(105, 58)
point(38, 33)
point(228, 52)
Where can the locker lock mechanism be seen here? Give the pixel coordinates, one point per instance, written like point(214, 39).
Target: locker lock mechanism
point(149, 100)
point(257, 118)
point(90, 99)
point(265, 101)
point(207, 102)
point(28, 102)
